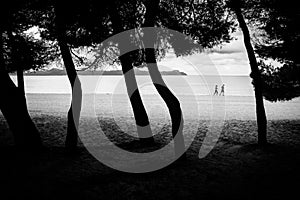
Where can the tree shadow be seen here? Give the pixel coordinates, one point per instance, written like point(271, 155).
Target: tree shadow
point(131, 143)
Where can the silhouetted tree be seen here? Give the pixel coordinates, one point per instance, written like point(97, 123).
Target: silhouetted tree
point(121, 23)
point(13, 101)
point(189, 17)
point(192, 21)
point(170, 99)
point(280, 41)
point(236, 6)
point(282, 83)
point(206, 22)
point(69, 25)
point(23, 52)
point(61, 16)
point(61, 23)
point(203, 22)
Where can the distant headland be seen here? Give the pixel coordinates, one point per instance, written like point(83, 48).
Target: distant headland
point(58, 72)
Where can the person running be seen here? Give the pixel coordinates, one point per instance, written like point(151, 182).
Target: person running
point(222, 90)
point(216, 90)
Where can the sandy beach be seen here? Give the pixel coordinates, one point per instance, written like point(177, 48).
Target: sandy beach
point(234, 168)
point(236, 107)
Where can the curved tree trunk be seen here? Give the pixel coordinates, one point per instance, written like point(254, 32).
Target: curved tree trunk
point(21, 84)
point(169, 98)
point(255, 74)
point(14, 108)
point(142, 121)
point(17, 63)
point(75, 108)
point(139, 111)
point(171, 101)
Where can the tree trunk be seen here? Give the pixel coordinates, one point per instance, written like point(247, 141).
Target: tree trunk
point(14, 108)
point(75, 108)
point(171, 101)
point(139, 111)
point(20, 77)
point(140, 114)
point(255, 75)
point(17, 63)
point(169, 98)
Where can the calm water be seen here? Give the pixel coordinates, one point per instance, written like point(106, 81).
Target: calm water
point(234, 85)
point(51, 95)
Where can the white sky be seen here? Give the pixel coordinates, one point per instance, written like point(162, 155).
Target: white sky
point(231, 59)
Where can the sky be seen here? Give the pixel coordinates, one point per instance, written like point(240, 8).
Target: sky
point(230, 59)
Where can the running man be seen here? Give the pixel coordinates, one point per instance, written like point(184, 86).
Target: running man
point(222, 90)
point(216, 90)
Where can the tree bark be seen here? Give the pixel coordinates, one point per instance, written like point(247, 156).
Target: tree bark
point(169, 98)
point(14, 108)
point(171, 101)
point(140, 114)
point(17, 64)
point(255, 75)
point(21, 84)
point(75, 108)
point(139, 111)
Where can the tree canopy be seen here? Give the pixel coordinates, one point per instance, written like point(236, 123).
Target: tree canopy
point(280, 42)
point(21, 49)
point(206, 23)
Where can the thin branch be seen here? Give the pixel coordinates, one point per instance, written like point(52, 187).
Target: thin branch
point(78, 57)
point(185, 13)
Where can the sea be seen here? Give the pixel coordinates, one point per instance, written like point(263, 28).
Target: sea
point(107, 96)
point(192, 84)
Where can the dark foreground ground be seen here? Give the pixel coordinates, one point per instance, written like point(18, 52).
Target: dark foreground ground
point(235, 169)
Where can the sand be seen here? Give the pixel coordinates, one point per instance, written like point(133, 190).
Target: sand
point(236, 107)
point(236, 168)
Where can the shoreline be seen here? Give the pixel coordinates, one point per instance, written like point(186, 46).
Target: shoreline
point(236, 107)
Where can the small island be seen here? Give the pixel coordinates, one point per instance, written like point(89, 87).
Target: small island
point(138, 72)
